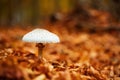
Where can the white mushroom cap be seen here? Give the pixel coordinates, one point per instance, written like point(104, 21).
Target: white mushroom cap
point(41, 36)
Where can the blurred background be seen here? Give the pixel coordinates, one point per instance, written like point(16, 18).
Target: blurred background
point(35, 12)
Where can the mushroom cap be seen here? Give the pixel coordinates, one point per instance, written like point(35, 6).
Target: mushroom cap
point(41, 36)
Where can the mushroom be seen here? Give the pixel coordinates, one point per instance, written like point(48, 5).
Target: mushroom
point(40, 37)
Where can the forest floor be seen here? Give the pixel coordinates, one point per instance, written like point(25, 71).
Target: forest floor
point(82, 54)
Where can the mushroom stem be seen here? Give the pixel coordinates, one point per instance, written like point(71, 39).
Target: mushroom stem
point(40, 48)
